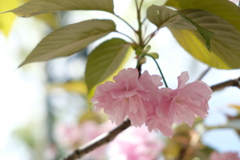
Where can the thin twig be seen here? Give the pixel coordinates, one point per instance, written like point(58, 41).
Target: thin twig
point(99, 141)
point(107, 137)
point(150, 36)
point(127, 36)
point(204, 73)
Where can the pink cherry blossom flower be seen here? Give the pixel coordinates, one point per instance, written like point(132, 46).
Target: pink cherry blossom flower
point(224, 156)
point(179, 105)
point(129, 96)
point(141, 100)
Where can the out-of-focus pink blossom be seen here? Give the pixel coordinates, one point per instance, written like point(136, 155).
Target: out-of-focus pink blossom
point(72, 136)
point(179, 105)
point(224, 156)
point(129, 96)
point(135, 144)
point(68, 135)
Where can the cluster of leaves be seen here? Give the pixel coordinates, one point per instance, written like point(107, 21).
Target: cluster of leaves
point(201, 27)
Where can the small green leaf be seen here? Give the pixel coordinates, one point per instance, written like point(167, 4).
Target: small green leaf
point(162, 16)
point(105, 61)
point(154, 55)
point(222, 8)
point(70, 39)
point(35, 7)
point(225, 45)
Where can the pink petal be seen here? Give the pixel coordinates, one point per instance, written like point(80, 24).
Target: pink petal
point(163, 108)
point(201, 88)
point(157, 124)
point(126, 74)
point(182, 79)
point(155, 79)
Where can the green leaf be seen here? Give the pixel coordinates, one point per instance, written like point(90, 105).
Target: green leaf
point(162, 16)
point(105, 61)
point(225, 45)
point(222, 8)
point(35, 7)
point(207, 35)
point(154, 55)
point(70, 39)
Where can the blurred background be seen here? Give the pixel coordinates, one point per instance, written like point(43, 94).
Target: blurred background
point(44, 112)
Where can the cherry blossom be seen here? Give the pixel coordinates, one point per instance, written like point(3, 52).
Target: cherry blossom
point(180, 105)
point(186, 101)
point(142, 101)
point(129, 96)
point(224, 156)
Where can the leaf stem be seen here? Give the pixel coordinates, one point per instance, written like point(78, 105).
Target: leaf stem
point(139, 31)
point(150, 36)
point(125, 22)
point(141, 3)
point(164, 80)
point(144, 20)
point(136, 4)
point(127, 37)
point(139, 59)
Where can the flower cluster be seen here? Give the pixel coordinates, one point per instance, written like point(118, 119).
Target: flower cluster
point(143, 101)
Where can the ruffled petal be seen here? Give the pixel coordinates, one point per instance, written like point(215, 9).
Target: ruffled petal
point(182, 79)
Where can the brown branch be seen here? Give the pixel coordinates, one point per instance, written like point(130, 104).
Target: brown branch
point(99, 141)
point(229, 83)
point(107, 137)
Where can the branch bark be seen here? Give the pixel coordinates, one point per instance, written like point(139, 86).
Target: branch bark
point(99, 141)
point(229, 83)
point(107, 137)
